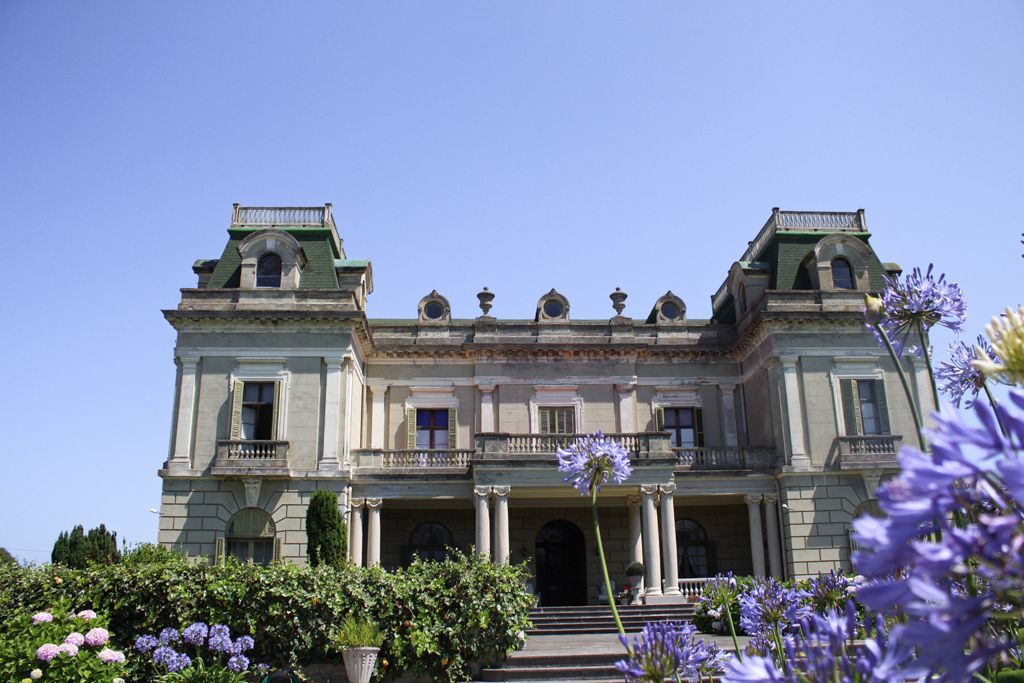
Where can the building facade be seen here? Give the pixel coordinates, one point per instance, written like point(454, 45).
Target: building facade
point(757, 436)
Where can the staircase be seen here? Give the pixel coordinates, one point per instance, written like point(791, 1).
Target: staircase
point(577, 643)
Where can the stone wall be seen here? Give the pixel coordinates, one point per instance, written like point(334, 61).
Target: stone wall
point(816, 516)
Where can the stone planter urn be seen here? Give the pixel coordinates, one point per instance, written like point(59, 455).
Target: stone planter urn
point(359, 663)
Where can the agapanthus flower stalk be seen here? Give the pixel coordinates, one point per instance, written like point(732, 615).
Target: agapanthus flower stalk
point(589, 462)
point(959, 376)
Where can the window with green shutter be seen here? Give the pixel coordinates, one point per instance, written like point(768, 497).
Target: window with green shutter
point(254, 410)
point(684, 425)
point(556, 420)
point(865, 410)
point(435, 428)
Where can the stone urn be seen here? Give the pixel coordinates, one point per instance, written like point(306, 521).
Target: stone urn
point(359, 663)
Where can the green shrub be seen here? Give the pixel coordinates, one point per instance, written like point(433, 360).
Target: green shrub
point(358, 633)
point(78, 549)
point(326, 533)
point(436, 617)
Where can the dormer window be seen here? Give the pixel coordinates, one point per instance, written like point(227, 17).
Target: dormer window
point(434, 308)
point(552, 306)
point(842, 274)
point(268, 271)
point(669, 310)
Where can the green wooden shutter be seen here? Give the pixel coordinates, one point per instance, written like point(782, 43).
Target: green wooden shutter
point(659, 419)
point(410, 428)
point(883, 407)
point(236, 409)
point(544, 417)
point(218, 550)
point(698, 427)
point(277, 549)
point(851, 412)
point(277, 406)
point(453, 426)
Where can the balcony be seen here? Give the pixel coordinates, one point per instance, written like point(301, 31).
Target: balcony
point(641, 445)
point(868, 452)
point(441, 461)
point(708, 459)
point(250, 457)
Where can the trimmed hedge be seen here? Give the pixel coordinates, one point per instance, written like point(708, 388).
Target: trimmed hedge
point(437, 617)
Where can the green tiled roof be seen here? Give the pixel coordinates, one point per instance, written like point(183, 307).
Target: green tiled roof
point(351, 262)
point(318, 273)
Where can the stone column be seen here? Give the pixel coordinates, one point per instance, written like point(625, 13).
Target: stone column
point(794, 413)
point(378, 415)
point(355, 544)
point(482, 496)
point(373, 532)
point(652, 546)
point(668, 541)
point(728, 394)
point(181, 458)
point(627, 420)
point(332, 414)
point(487, 423)
point(501, 542)
point(636, 539)
point(756, 537)
point(771, 519)
point(348, 389)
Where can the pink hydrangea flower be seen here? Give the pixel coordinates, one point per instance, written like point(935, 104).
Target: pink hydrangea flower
point(109, 656)
point(86, 615)
point(42, 618)
point(46, 652)
point(75, 638)
point(96, 637)
point(69, 649)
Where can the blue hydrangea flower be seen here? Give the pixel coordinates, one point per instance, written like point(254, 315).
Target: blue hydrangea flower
point(957, 374)
point(667, 651)
point(195, 634)
point(919, 298)
point(592, 460)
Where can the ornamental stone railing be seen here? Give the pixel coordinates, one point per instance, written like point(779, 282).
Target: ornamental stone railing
point(246, 456)
point(714, 458)
point(691, 589)
point(281, 215)
point(411, 458)
point(642, 445)
point(874, 451)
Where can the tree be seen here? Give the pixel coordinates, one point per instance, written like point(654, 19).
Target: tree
point(326, 532)
point(77, 549)
point(6, 558)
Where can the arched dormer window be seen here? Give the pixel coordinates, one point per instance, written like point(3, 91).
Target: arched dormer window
point(268, 270)
point(842, 274)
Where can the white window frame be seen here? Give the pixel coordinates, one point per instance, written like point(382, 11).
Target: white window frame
point(853, 369)
point(559, 396)
point(434, 398)
point(265, 370)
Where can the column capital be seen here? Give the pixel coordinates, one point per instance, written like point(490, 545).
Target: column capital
point(727, 388)
point(334, 362)
point(482, 491)
point(771, 498)
point(374, 503)
point(625, 388)
point(633, 502)
point(752, 499)
point(189, 362)
point(487, 387)
point(649, 489)
point(788, 362)
point(357, 503)
point(501, 491)
point(667, 489)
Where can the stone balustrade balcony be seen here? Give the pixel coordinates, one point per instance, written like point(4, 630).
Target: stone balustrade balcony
point(243, 457)
point(639, 445)
point(443, 460)
point(868, 452)
point(707, 458)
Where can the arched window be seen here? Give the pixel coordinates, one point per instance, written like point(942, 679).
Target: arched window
point(251, 536)
point(430, 541)
point(842, 274)
point(268, 270)
point(692, 547)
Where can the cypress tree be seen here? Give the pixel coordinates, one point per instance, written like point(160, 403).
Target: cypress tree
point(6, 558)
point(326, 533)
point(78, 549)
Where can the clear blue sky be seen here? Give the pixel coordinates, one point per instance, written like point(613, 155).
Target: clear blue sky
point(518, 145)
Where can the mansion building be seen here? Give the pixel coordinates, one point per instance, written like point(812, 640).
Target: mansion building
point(756, 436)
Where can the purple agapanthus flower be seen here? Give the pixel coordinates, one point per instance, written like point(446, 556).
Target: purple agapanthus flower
point(238, 663)
point(950, 549)
point(767, 606)
point(957, 374)
point(664, 651)
point(195, 634)
point(242, 644)
point(145, 643)
point(592, 460)
point(919, 298)
point(753, 669)
point(170, 659)
point(168, 636)
point(220, 638)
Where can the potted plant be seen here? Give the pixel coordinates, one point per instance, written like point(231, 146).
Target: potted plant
point(359, 641)
point(634, 577)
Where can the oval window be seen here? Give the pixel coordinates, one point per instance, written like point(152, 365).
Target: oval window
point(433, 310)
point(670, 310)
point(553, 308)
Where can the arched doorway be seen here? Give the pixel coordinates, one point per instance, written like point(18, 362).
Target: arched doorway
point(561, 564)
point(692, 546)
point(430, 541)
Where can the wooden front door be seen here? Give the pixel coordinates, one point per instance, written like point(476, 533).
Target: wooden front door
point(561, 564)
